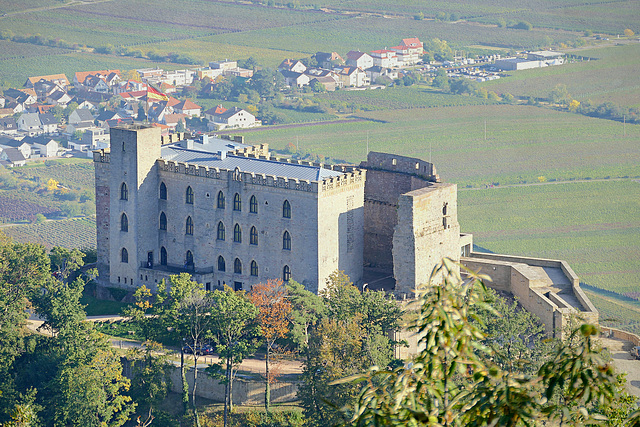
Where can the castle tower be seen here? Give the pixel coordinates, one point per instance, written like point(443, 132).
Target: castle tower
point(133, 186)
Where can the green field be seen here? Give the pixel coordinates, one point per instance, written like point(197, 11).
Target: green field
point(522, 142)
point(68, 233)
point(16, 64)
point(595, 226)
point(613, 77)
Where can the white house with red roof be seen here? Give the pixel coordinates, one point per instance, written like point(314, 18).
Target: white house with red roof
point(234, 117)
point(409, 52)
point(292, 65)
point(352, 76)
point(384, 58)
point(111, 77)
point(188, 107)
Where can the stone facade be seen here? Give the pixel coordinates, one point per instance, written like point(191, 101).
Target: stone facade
point(248, 238)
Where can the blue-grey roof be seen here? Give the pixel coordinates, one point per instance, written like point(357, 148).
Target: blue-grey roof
point(245, 164)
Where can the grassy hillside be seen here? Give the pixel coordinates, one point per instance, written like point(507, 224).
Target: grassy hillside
point(522, 142)
point(613, 77)
point(595, 226)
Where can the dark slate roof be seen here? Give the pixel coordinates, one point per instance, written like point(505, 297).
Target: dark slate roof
point(247, 164)
point(106, 115)
point(9, 142)
point(230, 112)
point(40, 139)
point(8, 123)
point(14, 155)
point(84, 115)
point(48, 119)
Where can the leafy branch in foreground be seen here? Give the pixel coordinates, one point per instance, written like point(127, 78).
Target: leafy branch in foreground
point(449, 384)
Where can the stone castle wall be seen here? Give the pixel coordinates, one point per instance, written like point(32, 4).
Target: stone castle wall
point(427, 231)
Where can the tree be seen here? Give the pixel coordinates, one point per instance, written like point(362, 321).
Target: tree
point(307, 310)
point(151, 369)
point(448, 377)
point(235, 332)
point(274, 311)
point(441, 80)
point(180, 127)
point(515, 336)
point(187, 308)
point(629, 32)
point(351, 337)
point(560, 95)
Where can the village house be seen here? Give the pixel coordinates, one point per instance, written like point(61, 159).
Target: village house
point(409, 51)
point(292, 65)
point(110, 77)
point(359, 59)
point(329, 81)
point(328, 60)
point(8, 126)
point(220, 118)
point(58, 97)
point(384, 58)
point(59, 79)
point(188, 108)
point(352, 76)
point(22, 147)
point(81, 115)
point(42, 146)
point(10, 157)
point(295, 79)
point(30, 124)
point(49, 123)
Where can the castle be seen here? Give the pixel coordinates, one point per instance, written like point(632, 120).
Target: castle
point(232, 214)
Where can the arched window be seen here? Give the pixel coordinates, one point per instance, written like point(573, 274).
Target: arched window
point(188, 259)
point(220, 231)
point(237, 202)
point(237, 234)
point(221, 264)
point(189, 196)
point(189, 226)
point(163, 221)
point(124, 192)
point(163, 256)
point(286, 241)
point(286, 273)
point(220, 200)
point(124, 255)
point(286, 209)
point(124, 222)
point(253, 236)
point(253, 205)
point(163, 191)
point(254, 268)
point(237, 266)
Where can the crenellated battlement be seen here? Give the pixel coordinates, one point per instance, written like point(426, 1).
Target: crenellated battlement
point(342, 182)
point(236, 175)
point(102, 156)
point(401, 164)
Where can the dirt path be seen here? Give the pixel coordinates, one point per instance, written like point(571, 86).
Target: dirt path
point(623, 362)
point(532, 184)
point(255, 365)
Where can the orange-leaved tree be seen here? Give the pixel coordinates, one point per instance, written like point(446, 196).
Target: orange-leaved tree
point(274, 317)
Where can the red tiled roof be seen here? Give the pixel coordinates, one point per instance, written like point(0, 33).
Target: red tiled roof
point(172, 101)
point(412, 42)
point(82, 75)
point(186, 105)
point(50, 77)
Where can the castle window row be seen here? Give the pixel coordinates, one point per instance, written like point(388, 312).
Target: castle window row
point(220, 201)
point(188, 263)
point(220, 232)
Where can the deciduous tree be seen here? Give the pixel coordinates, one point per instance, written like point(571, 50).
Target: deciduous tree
point(274, 313)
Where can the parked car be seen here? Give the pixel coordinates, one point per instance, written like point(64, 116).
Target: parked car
point(635, 352)
point(200, 350)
